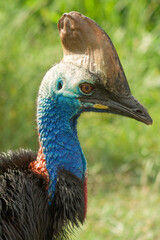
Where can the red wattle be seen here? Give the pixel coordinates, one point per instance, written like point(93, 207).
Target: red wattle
point(39, 165)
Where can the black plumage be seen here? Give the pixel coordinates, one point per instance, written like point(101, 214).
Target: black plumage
point(24, 209)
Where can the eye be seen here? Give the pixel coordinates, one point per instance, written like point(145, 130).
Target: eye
point(86, 87)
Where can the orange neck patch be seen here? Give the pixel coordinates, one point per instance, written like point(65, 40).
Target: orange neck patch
point(39, 165)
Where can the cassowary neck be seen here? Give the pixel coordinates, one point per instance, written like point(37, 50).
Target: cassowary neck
point(60, 148)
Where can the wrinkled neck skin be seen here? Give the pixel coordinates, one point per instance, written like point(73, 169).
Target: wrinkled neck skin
point(58, 138)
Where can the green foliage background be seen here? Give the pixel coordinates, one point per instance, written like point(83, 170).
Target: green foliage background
point(123, 155)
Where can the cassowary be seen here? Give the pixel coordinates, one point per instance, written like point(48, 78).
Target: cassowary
point(43, 196)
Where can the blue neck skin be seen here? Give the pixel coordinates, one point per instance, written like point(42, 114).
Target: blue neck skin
point(58, 137)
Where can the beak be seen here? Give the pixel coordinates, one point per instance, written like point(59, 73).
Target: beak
point(87, 46)
point(125, 105)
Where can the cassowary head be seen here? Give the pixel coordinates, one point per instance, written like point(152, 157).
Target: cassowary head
point(90, 76)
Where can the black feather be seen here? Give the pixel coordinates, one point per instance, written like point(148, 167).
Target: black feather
point(25, 212)
point(19, 159)
point(68, 206)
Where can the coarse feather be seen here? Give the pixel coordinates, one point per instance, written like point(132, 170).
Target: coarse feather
point(24, 209)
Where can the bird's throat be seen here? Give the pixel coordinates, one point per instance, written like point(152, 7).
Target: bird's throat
point(59, 145)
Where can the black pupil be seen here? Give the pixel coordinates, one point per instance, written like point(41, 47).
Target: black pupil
point(87, 88)
point(59, 85)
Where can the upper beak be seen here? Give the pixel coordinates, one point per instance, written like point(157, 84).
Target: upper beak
point(123, 105)
point(128, 106)
point(87, 46)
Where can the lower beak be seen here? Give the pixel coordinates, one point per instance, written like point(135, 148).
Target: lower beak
point(123, 105)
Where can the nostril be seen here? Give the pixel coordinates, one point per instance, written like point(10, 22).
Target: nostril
point(139, 111)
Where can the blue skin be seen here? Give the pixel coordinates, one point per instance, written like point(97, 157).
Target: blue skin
point(57, 113)
point(58, 109)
